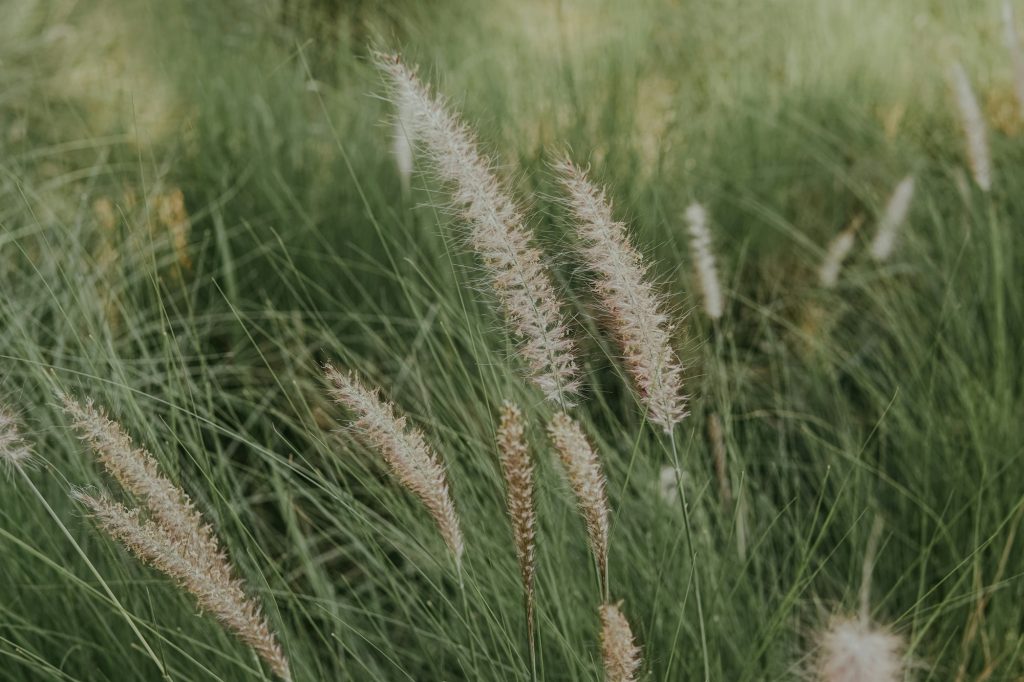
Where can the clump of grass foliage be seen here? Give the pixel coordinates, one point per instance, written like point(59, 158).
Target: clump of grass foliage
point(201, 206)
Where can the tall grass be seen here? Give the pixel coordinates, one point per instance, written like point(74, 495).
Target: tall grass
point(895, 394)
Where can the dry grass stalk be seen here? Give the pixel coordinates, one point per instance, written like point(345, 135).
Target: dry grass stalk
point(704, 260)
point(15, 453)
point(206, 578)
point(838, 250)
point(716, 436)
point(893, 217)
point(853, 651)
point(620, 653)
point(635, 311)
point(587, 480)
point(518, 470)
point(973, 123)
point(498, 233)
point(404, 450)
point(175, 540)
point(1016, 56)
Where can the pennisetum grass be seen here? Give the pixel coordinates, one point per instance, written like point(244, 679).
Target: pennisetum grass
point(587, 480)
point(403, 449)
point(973, 123)
point(174, 539)
point(838, 250)
point(619, 651)
point(498, 233)
point(1016, 56)
point(704, 260)
point(893, 217)
point(517, 468)
point(15, 452)
point(634, 310)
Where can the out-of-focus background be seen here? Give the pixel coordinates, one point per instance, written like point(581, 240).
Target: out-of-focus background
point(199, 202)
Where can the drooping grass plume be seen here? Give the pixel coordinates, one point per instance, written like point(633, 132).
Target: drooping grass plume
point(498, 233)
point(174, 540)
point(635, 311)
point(893, 217)
point(403, 449)
point(619, 651)
point(207, 578)
point(138, 473)
point(704, 260)
point(1016, 56)
point(15, 453)
point(838, 250)
point(972, 121)
point(518, 471)
point(850, 650)
point(587, 480)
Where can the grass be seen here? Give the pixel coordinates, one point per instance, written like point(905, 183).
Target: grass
point(897, 395)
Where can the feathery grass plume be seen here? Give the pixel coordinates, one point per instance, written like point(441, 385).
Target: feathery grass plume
point(893, 217)
point(403, 145)
point(620, 653)
point(850, 650)
point(404, 450)
point(716, 435)
point(498, 233)
point(176, 541)
point(206, 578)
point(838, 249)
point(704, 260)
point(587, 480)
point(138, 473)
point(973, 123)
point(634, 309)
point(15, 453)
point(518, 470)
point(1016, 57)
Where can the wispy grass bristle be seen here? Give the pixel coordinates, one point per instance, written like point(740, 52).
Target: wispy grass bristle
point(403, 448)
point(972, 121)
point(634, 310)
point(704, 260)
point(619, 651)
point(15, 452)
point(893, 217)
point(587, 480)
point(838, 250)
point(174, 540)
point(853, 651)
point(498, 233)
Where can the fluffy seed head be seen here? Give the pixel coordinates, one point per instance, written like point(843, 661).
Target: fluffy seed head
point(1016, 57)
point(973, 123)
point(587, 480)
point(14, 451)
point(852, 651)
point(402, 146)
point(138, 473)
point(635, 312)
point(838, 249)
point(207, 579)
point(518, 470)
point(704, 260)
point(497, 231)
point(620, 653)
point(403, 449)
point(893, 217)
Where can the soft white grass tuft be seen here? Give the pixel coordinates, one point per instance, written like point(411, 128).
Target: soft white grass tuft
point(634, 309)
point(853, 651)
point(893, 217)
point(15, 452)
point(704, 260)
point(498, 233)
point(619, 651)
point(973, 123)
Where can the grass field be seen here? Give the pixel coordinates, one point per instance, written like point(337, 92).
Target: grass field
point(199, 205)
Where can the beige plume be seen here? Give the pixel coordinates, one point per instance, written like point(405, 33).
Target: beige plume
point(635, 311)
point(620, 653)
point(404, 450)
point(498, 233)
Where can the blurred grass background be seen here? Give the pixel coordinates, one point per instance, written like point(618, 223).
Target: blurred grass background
point(199, 204)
